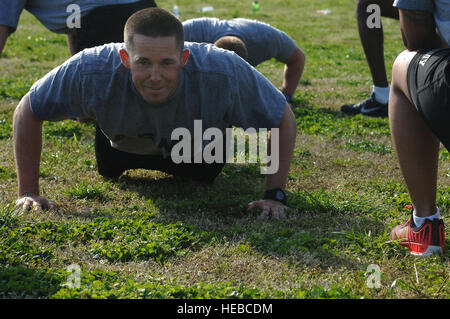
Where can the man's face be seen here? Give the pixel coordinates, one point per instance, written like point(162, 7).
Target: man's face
point(155, 63)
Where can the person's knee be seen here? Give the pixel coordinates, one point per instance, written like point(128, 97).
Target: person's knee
point(400, 70)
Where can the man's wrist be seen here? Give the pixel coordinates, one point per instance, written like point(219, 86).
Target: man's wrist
point(288, 97)
point(276, 194)
point(28, 194)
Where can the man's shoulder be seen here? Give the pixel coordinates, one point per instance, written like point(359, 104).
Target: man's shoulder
point(91, 69)
point(206, 58)
point(100, 59)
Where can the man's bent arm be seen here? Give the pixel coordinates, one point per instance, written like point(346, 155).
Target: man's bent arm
point(4, 33)
point(293, 71)
point(287, 135)
point(27, 131)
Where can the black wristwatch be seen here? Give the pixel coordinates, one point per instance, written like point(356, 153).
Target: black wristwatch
point(276, 194)
point(288, 97)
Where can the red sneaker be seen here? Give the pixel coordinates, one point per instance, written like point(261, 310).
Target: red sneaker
point(423, 241)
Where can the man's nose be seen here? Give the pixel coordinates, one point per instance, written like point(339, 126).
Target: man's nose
point(155, 73)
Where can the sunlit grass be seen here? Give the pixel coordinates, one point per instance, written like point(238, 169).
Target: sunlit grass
point(151, 235)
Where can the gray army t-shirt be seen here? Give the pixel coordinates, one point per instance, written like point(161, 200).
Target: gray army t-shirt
point(439, 8)
point(263, 41)
point(215, 86)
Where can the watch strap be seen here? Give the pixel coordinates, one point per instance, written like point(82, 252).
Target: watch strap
point(276, 194)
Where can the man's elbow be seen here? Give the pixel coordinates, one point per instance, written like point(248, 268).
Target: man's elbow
point(23, 112)
point(297, 59)
point(302, 56)
point(290, 121)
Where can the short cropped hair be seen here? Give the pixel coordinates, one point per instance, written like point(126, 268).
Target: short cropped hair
point(153, 22)
point(234, 44)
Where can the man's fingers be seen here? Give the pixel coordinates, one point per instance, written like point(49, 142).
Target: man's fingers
point(37, 206)
point(19, 202)
point(39, 203)
point(265, 212)
point(28, 203)
point(268, 209)
point(251, 205)
point(51, 205)
point(48, 205)
point(279, 212)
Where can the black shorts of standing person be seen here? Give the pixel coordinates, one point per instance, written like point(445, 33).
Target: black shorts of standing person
point(428, 79)
point(104, 25)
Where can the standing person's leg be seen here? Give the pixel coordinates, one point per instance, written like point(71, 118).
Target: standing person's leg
point(372, 43)
point(419, 113)
point(105, 24)
point(416, 145)
point(372, 38)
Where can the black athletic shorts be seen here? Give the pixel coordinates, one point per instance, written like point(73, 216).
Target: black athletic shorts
point(429, 87)
point(112, 162)
point(105, 24)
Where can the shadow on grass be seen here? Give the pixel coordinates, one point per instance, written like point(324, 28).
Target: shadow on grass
point(22, 282)
point(318, 229)
point(333, 124)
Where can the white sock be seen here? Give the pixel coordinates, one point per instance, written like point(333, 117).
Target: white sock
point(381, 94)
point(420, 220)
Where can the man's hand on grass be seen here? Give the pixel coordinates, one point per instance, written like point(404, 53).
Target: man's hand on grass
point(34, 201)
point(269, 208)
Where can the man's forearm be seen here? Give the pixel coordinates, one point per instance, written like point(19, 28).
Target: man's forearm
point(27, 132)
point(4, 33)
point(293, 71)
point(286, 142)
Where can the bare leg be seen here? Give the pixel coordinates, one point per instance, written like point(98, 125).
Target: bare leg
point(416, 146)
point(372, 39)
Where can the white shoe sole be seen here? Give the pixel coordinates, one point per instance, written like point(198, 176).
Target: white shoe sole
point(432, 250)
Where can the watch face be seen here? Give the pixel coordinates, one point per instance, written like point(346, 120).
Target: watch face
point(280, 195)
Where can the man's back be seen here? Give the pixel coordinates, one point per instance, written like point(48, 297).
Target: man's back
point(263, 41)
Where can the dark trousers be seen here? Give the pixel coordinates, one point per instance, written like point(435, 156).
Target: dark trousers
point(105, 24)
point(112, 163)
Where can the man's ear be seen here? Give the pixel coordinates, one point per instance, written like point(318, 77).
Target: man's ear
point(184, 57)
point(124, 57)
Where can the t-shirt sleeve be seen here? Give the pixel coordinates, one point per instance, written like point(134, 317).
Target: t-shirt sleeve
point(58, 95)
point(256, 102)
point(187, 29)
point(420, 5)
point(282, 45)
point(199, 30)
point(10, 12)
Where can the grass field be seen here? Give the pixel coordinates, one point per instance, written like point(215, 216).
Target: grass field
point(151, 235)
